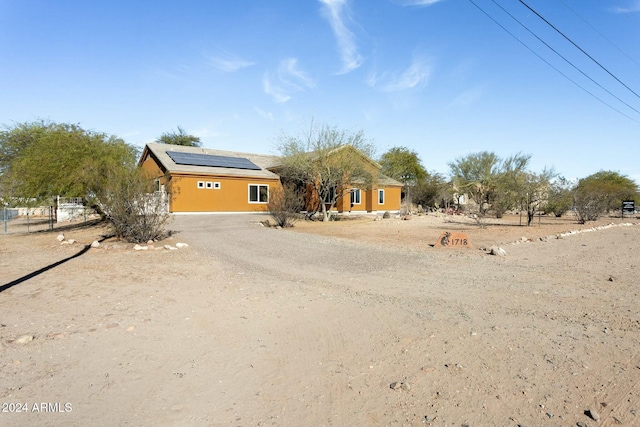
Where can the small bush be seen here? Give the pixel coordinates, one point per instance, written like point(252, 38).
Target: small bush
point(589, 206)
point(285, 205)
point(136, 214)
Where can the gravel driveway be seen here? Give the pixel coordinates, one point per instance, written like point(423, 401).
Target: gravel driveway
point(256, 326)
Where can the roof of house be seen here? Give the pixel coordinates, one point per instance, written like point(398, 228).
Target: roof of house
point(192, 160)
point(220, 162)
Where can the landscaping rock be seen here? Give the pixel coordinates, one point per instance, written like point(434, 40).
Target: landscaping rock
point(181, 245)
point(591, 413)
point(95, 244)
point(140, 248)
point(170, 248)
point(395, 385)
point(406, 386)
point(386, 215)
point(23, 339)
point(60, 237)
point(498, 251)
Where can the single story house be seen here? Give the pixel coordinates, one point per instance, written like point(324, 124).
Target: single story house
point(202, 180)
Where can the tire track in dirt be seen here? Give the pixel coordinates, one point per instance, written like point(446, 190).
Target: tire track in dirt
point(619, 403)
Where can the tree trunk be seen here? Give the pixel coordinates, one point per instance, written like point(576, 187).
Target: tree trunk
point(325, 214)
point(531, 213)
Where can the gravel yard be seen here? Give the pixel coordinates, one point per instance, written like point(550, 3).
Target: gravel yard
point(355, 322)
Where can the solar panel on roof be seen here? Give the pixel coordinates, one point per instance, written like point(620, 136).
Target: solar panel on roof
point(194, 159)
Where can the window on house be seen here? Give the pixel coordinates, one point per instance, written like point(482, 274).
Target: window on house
point(355, 196)
point(216, 185)
point(258, 193)
point(156, 185)
point(381, 197)
point(200, 184)
point(209, 185)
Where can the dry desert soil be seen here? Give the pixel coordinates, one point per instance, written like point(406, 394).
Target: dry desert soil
point(349, 323)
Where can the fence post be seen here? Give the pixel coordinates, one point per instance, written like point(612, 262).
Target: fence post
point(4, 212)
point(50, 218)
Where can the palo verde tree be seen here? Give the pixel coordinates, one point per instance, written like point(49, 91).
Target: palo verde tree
point(533, 191)
point(502, 184)
point(432, 190)
point(327, 161)
point(560, 196)
point(602, 192)
point(509, 184)
point(179, 137)
point(476, 175)
point(41, 160)
point(404, 165)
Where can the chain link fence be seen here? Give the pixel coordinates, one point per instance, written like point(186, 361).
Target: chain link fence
point(43, 218)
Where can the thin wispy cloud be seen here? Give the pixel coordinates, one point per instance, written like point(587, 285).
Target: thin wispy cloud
point(417, 2)
point(275, 91)
point(288, 79)
point(633, 7)
point(228, 62)
point(336, 13)
point(290, 74)
point(466, 98)
point(416, 76)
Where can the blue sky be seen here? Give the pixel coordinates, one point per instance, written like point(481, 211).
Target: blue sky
point(437, 76)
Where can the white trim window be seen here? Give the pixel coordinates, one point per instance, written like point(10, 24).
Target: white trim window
point(356, 196)
point(381, 197)
point(200, 184)
point(258, 193)
point(216, 185)
point(209, 185)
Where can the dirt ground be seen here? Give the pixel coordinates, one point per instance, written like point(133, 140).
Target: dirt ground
point(353, 322)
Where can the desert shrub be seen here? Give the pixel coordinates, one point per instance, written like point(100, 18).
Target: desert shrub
point(601, 192)
point(560, 197)
point(285, 205)
point(137, 214)
point(589, 205)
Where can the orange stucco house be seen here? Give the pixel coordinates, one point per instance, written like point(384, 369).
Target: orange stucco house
point(202, 180)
